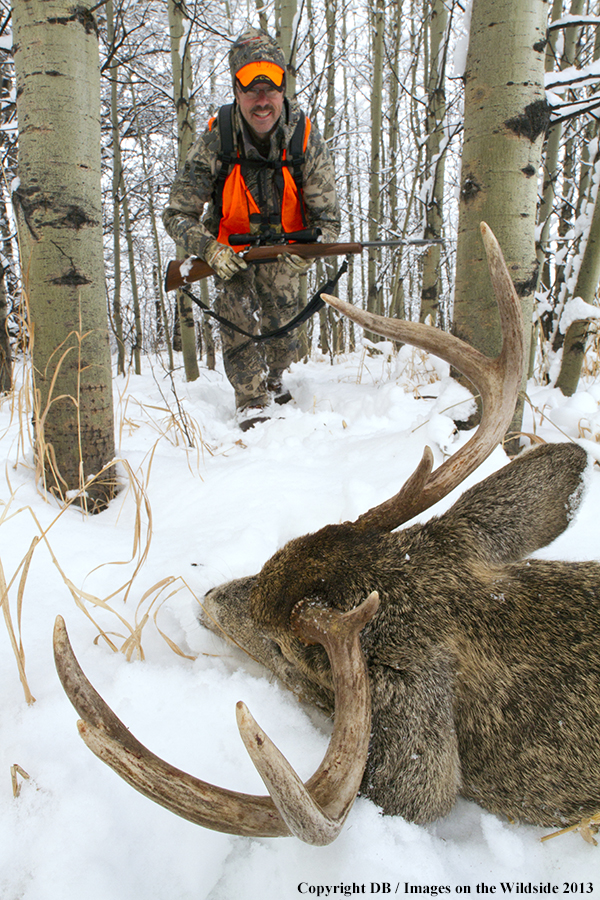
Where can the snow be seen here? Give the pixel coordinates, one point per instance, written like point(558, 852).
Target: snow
point(577, 310)
point(462, 44)
point(353, 434)
point(573, 75)
point(186, 265)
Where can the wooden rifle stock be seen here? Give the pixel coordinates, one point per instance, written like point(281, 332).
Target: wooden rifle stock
point(186, 271)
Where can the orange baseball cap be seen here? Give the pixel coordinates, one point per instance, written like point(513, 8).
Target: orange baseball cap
point(262, 70)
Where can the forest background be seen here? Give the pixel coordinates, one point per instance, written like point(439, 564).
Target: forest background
point(384, 83)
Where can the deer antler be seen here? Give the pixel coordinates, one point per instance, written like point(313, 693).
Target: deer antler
point(314, 812)
point(498, 381)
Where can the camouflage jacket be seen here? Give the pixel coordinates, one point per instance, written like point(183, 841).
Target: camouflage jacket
point(192, 227)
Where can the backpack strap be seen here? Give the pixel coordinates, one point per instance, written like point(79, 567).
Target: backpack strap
point(226, 156)
point(295, 154)
point(295, 159)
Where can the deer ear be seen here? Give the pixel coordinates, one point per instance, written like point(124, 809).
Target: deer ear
point(413, 714)
point(524, 506)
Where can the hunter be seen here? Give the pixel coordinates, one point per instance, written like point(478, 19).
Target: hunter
point(262, 167)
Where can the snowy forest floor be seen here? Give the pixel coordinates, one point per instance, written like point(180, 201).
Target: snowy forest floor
point(190, 517)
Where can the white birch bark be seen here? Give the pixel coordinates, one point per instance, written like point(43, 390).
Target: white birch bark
point(374, 301)
point(182, 94)
point(285, 35)
point(5, 351)
point(60, 226)
point(506, 118)
point(115, 188)
point(434, 159)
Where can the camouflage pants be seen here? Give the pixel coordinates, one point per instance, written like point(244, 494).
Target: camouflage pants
point(260, 298)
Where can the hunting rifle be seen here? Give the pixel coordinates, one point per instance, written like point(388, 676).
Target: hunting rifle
point(186, 271)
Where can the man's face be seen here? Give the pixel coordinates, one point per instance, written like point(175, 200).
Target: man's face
point(261, 106)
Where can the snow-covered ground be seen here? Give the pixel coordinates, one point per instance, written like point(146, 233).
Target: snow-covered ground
point(190, 518)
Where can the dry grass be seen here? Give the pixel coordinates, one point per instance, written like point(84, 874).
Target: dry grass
point(15, 771)
point(131, 614)
point(128, 637)
point(379, 364)
point(587, 828)
point(541, 415)
point(591, 361)
point(15, 636)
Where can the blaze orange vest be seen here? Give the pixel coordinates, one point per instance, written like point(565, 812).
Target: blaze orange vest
point(237, 203)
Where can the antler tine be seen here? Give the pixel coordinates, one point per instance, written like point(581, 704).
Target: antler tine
point(315, 812)
point(498, 381)
point(195, 800)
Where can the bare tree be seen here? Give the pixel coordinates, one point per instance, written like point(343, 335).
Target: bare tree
point(436, 32)
point(60, 224)
point(375, 300)
point(179, 26)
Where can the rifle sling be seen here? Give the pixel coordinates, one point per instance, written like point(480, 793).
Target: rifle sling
point(313, 306)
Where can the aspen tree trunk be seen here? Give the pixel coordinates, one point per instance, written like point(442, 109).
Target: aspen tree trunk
point(182, 94)
point(285, 36)
point(506, 117)
point(60, 226)
point(311, 42)
point(394, 127)
point(434, 160)
point(569, 151)
point(391, 219)
point(374, 297)
point(6, 145)
point(396, 305)
point(361, 216)
point(349, 194)
point(586, 286)
point(327, 320)
point(262, 15)
point(135, 297)
point(551, 155)
point(331, 264)
point(116, 205)
point(207, 334)
point(286, 11)
point(591, 133)
point(553, 174)
point(119, 197)
point(5, 352)
point(546, 202)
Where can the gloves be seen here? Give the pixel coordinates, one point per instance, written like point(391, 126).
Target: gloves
point(298, 265)
point(223, 260)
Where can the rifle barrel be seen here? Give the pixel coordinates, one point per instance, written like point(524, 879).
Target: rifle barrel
point(414, 242)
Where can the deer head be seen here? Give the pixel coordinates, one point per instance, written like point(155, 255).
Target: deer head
point(303, 618)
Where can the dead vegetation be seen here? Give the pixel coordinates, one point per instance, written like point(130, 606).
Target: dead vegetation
point(131, 617)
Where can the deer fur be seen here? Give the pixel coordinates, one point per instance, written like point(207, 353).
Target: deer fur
point(483, 665)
